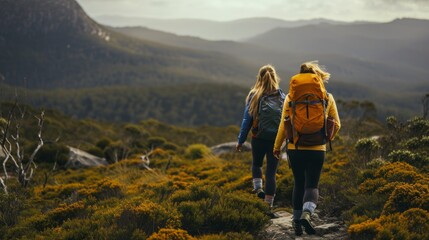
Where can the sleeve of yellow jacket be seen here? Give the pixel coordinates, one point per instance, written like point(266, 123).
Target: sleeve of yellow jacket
point(281, 135)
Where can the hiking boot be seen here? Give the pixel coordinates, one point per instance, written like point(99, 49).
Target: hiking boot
point(260, 193)
point(306, 223)
point(296, 225)
point(271, 214)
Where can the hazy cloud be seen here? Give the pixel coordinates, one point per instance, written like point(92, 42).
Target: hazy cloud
point(404, 1)
point(373, 10)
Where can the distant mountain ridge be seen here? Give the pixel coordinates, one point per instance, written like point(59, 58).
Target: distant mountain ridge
point(379, 72)
point(211, 30)
point(400, 42)
point(288, 53)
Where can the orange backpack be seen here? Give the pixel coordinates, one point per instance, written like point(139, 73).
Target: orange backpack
point(307, 109)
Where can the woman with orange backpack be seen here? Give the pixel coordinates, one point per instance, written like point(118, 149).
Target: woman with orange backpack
point(309, 121)
point(262, 114)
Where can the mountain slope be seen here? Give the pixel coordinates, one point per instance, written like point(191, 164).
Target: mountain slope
point(53, 43)
point(212, 30)
point(401, 44)
point(343, 67)
point(394, 88)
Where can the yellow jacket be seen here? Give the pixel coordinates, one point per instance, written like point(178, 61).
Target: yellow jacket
point(281, 134)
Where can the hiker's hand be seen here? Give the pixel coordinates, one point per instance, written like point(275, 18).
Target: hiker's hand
point(238, 147)
point(276, 154)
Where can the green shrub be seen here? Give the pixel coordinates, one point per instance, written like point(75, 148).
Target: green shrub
point(195, 192)
point(366, 230)
point(171, 234)
point(10, 207)
point(196, 151)
point(83, 228)
point(392, 124)
point(116, 151)
point(417, 222)
point(149, 217)
point(155, 142)
point(57, 216)
point(170, 146)
point(416, 143)
point(397, 172)
point(194, 214)
point(206, 209)
point(418, 127)
point(96, 151)
point(407, 196)
point(18, 232)
point(367, 149)
point(228, 236)
point(66, 211)
point(58, 191)
point(53, 152)
point(412, 224)
point(376, 163)
point(416, 159)
point(103, 143)
point(133, 130)
point(103, 189)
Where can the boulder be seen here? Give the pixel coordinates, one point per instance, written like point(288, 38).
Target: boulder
point(281, 228)
point(82, 159)
point(229, 147)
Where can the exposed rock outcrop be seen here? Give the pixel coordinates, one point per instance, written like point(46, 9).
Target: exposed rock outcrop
point(81, 159)
point(229, 147)
point(281, 228)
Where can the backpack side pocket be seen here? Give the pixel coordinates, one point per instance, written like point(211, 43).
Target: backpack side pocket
point(330, 128)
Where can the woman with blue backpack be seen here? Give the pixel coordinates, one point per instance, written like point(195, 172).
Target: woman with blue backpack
point(309, 121)
point(262, 115)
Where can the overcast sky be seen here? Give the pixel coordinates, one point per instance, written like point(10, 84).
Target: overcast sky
point(224, 10)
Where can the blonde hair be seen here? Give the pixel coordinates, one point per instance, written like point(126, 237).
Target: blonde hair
point(267, 81)
point(314, 67)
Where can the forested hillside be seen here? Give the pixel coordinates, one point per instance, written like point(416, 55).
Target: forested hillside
point(191, 105)
point(186, 104)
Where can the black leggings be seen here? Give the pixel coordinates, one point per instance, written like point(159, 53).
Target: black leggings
point(260, 148)
point(306, 168)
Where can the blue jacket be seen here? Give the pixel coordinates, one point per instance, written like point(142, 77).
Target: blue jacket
point(246, 125)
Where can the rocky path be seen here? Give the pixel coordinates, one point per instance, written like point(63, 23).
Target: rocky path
point(281, 228)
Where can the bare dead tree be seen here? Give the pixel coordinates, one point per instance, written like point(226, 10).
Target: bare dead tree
point(146, 160)
point(3, 185)
point(11, 147)
point(26, 170)
point(4, 140)
point(47, 174)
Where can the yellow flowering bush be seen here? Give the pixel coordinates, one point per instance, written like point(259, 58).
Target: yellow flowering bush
point(411, 224)
point(148, 216)
point(171, 234)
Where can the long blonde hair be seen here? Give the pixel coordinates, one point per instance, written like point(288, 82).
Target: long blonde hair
point(314, 67)
point(267, 81)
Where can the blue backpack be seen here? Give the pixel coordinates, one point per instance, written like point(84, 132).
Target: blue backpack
point(269, 115)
